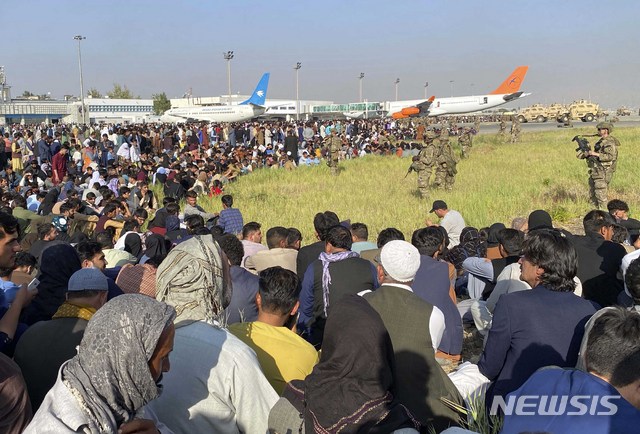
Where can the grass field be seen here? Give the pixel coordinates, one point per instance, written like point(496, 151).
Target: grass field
point(497, 183)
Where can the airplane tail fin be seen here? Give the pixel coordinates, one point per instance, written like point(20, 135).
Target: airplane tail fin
point(513, 82)
point(260, 93)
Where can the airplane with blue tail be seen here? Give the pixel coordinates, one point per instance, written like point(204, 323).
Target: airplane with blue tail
point(246, 110)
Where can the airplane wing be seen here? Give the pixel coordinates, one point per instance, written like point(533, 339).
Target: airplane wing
point(421, 109)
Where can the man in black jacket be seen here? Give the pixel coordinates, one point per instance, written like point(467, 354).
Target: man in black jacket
point(307, 254)
point(599, 259)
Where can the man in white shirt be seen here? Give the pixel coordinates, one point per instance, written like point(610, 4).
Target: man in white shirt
point(450, 219)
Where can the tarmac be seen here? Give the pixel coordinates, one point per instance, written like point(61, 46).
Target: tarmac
point(492, 127)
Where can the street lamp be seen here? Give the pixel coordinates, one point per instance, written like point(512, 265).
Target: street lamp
point(228, 56)
point(426, 85)
point(360, 79)
point(84, 111)
point(451, 83)
point(397, 82)
point(297, 68)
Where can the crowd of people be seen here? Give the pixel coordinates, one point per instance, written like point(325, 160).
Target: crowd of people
point(160, 316)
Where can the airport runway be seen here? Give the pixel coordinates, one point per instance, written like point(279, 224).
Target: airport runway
point(492, 127)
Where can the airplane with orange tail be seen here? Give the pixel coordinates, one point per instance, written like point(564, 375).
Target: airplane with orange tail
point(508, 91)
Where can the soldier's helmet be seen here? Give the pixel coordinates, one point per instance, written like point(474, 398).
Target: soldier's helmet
point(605, 126)
point(430, 134)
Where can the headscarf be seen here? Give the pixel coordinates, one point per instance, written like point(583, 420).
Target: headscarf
point(471, 245)
point(173, 223)
point(48, 202)
point(110, 375)
point(347, 392)
point(326, 259)
point(133, 244)
point(494, 230)
point(539, 219)
point(57, 263)
point(156, 250)
point(194, 278)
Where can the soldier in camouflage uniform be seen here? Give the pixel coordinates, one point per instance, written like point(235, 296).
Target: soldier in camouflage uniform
point(423, 163)
point(444, 133)
point(465, 140)
point(502, 133)
point(446, 162)
point(476, 125)
point(602, 161)
point(334, 146)
point(515, 130)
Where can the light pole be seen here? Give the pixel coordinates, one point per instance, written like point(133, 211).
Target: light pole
point(228, 56)
point(451, 83)
point(426, 85)
point(397, 82)
point(360, 80)
point(84, 111)
point(297, 68)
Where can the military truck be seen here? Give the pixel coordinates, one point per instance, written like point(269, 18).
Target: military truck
point(623, 111)
point(582, 110)
point(556, 109)
point(535, 113)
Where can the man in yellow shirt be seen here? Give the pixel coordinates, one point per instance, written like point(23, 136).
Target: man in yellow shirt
point(283, 355)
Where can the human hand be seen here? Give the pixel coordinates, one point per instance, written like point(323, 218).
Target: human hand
point(24, 296)
point(139, 426)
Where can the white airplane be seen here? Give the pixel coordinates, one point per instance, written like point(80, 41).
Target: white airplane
point(249, 109)
point(508, 91)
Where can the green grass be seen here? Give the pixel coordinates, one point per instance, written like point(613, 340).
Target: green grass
point(497, 183)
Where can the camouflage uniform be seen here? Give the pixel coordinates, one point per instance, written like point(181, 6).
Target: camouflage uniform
point(446, 162)
point(465, 141)
point(334, 146)
point(515, 130)
point(444, 133)
point(423, 163)
point(476, 125)
point(602, 167)
point(502, 134)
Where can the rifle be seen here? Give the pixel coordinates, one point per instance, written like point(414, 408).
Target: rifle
point(583, 144)
point(408, 171)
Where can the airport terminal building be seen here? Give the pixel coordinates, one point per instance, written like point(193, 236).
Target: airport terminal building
point(30, 111)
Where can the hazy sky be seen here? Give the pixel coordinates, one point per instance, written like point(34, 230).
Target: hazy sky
point(575, 49)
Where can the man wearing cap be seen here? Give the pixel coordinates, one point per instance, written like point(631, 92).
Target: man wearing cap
point(450, 219)
point(46, 345)
point(416, 328)
point(602, 162)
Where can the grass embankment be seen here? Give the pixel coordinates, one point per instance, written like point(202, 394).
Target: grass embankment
point(497, 183)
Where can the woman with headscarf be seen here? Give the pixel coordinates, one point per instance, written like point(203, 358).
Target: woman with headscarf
point(157, 249)
point(351, 389)
point(493, 250)
point(117, 372)
point(133, 244)
point(49, 201)
point(57, 264)
point(213, 374)
point(471, 244)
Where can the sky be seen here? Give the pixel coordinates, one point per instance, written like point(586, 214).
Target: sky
point(574, 49)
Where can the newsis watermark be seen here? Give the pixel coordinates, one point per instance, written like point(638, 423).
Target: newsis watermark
point(555, 405)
